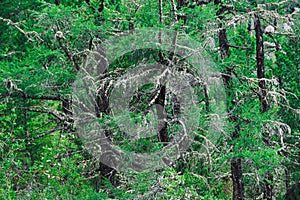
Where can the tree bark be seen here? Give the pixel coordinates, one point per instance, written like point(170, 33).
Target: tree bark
point(102, 107)
point(293, 192)
point(237, 179)
point(236, 165)
point(268, 188)
point(66, 108)
point(287, 178)
point(163, 135)
point(260, 64)
point(160, 106)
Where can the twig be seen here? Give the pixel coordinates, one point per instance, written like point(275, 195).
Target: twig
point(29, 35)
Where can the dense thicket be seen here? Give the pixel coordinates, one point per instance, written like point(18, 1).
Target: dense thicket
point(254, 46)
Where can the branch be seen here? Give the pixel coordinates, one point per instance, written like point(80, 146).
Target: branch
point(47, 111)
point(174, 9)
point(43, 134)
point(160, 11)
point(59, 36)
point(9, 54)
point(29, 35)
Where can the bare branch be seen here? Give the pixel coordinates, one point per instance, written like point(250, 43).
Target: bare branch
point(30, 35)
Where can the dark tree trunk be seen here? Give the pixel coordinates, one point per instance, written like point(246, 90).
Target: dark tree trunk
point(293, 192)
point(160, 106)
point(268, 188)
point(66, 108)
point(224, 47)
point(175, 106)
point(160, 11)
point(287, 178)
point(237, 179)
point(236, 165)
point(102, 107)
point(163, 135)
point(260, 64)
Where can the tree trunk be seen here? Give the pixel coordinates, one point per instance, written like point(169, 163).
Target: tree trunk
point(102, 107)
point(287, 178)
point(237, 179)
point(260, 64)
point(160, 106)
point(66, 108)
point(236, 166)
point(293, 192)
point(268, 188)
point(163, 135)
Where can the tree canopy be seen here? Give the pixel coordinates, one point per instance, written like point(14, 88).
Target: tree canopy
point(150, 99)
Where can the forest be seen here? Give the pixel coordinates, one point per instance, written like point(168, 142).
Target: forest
point(150, 99)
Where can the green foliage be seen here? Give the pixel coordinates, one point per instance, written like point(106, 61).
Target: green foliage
point(42, 48)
